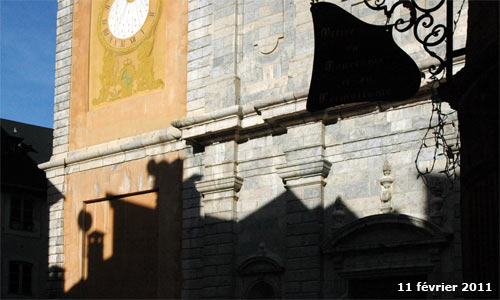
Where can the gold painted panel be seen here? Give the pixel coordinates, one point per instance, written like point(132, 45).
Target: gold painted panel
point(143, 111)
point(123, 68)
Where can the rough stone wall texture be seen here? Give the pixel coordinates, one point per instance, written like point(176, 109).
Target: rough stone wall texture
point(55, 200)
point(61, 132)
point(241, 51)
point(63, 75)
point(199, 53)
point(192, 226)
point(292, 172)
point(270, 194)
point(358, 147)
point(284, 214)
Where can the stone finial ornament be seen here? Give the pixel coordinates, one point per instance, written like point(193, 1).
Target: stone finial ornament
point(338, 213)
point(386, 194)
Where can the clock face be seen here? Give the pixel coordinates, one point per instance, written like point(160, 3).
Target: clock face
point(124, 24)
point(127, 17)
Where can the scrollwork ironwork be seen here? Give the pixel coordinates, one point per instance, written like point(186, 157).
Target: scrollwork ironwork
point(435, 140)
point(433, 35)
point(425, 19)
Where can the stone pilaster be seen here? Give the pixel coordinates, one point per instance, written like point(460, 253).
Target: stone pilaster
point(219, 188)
point(199, 54)
point(55, 200)
point(56, 176)
point(304, 176)
point(62, 76)
point(223, 86)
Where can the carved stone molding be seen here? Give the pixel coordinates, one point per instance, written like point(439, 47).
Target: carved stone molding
point(386, 184)
point(407, 230)
point(232, 184)
point(305, 171)
point(386, 243)
point(261, 267)
point(436, 202)
point(338, 214)
point(264, 261)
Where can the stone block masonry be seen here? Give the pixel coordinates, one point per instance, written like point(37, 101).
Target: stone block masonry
point(60, 147)
point(63, 75)
point(267, 186)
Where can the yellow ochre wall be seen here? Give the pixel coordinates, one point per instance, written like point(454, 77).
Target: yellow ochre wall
point(122, 230)
point(141, 112)
point(122, 222)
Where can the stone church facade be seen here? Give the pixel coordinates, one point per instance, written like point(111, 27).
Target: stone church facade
point(273, 201)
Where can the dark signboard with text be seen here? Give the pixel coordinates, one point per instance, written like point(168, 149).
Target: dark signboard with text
point(356, 62)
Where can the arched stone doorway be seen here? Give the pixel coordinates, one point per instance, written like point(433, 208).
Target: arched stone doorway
point(260, 278)
point(369, 257)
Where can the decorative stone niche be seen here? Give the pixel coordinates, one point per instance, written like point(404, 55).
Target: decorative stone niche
point(260, 275)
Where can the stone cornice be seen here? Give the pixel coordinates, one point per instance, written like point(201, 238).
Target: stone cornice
point(272, 115)
point(237, 110)
point(288, 107)
point(304, 168)
point(232, 183)
point(232, 111)
point(124, 145)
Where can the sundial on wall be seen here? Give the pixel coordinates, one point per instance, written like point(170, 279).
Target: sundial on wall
point(122, 60)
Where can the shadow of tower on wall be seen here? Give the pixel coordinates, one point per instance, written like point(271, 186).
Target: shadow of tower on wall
point(131, 243)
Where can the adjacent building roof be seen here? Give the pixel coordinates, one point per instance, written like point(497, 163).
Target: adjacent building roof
point(23, 147)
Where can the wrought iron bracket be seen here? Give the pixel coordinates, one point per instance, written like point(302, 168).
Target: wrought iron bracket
point(436, 34)
point(422, 18)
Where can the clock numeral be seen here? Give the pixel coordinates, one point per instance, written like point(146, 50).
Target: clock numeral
point(107, 6)
point(151, 14)
point(105, 31)
point(132, 39)
point(142, 31)
point(122, 43)
point(110, 39)
point(104, 21)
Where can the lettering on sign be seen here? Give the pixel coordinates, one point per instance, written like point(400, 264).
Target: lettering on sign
point(356, 62)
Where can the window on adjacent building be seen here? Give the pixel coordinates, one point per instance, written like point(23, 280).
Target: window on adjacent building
point(21, 214)
point(20, 278)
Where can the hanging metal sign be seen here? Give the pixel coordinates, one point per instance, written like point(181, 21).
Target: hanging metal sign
point(356, 62)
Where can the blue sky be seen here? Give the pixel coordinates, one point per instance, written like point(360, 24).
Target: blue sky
point(27, 60)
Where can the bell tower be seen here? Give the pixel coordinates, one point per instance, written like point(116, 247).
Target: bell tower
point(121, 71)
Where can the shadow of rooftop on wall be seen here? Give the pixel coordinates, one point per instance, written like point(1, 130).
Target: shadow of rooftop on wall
point(293, 251)
point(282, 249)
